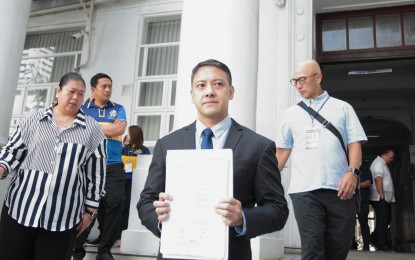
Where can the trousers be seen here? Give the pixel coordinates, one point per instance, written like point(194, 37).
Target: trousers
point(18, 242)
point(325, 222)
point(109, 212)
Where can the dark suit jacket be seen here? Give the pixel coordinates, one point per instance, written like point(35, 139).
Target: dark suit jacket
point(257, 184)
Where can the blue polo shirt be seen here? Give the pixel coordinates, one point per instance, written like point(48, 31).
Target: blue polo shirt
point(106, 116)
point(365, 174)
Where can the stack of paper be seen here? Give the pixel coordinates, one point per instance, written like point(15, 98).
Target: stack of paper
point(197, 180)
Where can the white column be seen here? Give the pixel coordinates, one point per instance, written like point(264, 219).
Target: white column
point(226, 31)
point(13, 20)
point(274, 71)
point(300, 20)
point(137, 240)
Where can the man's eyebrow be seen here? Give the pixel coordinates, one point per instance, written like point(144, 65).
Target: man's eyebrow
point(200, 80)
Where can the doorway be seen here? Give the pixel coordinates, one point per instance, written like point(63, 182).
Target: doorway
point(383, 96)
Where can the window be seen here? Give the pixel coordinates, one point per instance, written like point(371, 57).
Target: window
point(409, 28)
point(46, 58)
point(366, 34)
point(388, 31)
point(155, 88)
point(360, 33)
point(334, 35)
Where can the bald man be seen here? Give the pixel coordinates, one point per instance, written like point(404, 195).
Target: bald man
point(324, 168)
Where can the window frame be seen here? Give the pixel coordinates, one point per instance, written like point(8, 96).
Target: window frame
point(166, 109)
point(51, 85)
point(402, 51)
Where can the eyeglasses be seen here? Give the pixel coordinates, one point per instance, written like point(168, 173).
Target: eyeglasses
point(301, 80)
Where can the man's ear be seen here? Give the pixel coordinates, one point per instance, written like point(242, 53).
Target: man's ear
point(191, 96)
point(232, 92)
point(319, 77)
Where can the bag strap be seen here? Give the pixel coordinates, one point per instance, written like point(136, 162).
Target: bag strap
point(336, 132)
point(326, 124)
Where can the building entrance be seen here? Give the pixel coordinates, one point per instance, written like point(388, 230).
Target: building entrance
point(383, 95)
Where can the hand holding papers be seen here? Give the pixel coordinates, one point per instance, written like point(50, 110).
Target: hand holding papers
point(197, 180)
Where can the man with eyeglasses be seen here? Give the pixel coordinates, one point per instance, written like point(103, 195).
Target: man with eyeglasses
point(381, 196)
point(324, 170)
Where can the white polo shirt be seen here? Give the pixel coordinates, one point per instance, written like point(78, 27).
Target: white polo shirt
point(379, 168)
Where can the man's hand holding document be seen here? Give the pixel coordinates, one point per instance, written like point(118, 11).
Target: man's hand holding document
point(200, 184)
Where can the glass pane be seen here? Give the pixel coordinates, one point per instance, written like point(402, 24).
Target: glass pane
point(409, 28)
point(161, 30)
point(33, 71)
point(173, 93)
point(162, 60)
point(150, 126)
point(334, 35)
point(150, 94)
point(171, 122)
point(18, 102)
point(140, 63)
point(61, 66)
point(35, 98)
point(360, 33)
point(57, 42)
point(388, 31)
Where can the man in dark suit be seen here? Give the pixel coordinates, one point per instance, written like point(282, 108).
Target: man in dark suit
point(258, 205)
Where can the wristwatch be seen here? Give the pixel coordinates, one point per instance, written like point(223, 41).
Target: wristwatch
point(354, 171)
point(92, 214)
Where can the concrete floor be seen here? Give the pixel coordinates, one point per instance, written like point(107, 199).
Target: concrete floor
point(291, 254)
point(295, 254)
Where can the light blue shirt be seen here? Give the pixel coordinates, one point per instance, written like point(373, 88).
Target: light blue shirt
point(324, 165)
point(220, 132)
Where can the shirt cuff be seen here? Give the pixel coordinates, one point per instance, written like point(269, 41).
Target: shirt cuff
point(241, 231)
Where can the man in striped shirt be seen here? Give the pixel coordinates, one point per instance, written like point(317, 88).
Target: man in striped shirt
point(59, 156)
point(112, 118)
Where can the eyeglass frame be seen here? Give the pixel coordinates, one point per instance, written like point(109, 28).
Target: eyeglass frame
point(301, 80)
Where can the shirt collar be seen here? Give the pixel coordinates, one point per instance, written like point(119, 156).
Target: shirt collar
point(318, 99)
point(218, 130)
point(91, 103)
point(382, 159)
point(79, 119)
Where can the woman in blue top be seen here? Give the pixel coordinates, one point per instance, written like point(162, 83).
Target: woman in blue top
point(132, 147)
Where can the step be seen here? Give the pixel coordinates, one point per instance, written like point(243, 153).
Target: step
point(91, 253)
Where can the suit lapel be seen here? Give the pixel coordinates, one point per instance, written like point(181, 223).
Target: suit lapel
point(234, 135)
point(189, 140)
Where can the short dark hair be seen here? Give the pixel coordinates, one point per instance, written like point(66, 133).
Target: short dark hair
point(70, 76)
point(386, 150)
point(214, 63)
point(94, 79)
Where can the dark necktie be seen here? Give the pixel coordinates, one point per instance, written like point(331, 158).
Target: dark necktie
point(207, 139)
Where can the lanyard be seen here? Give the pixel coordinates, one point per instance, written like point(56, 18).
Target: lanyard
point(130, 152)
point(309, 112)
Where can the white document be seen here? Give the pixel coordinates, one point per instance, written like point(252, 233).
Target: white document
point(197, 180)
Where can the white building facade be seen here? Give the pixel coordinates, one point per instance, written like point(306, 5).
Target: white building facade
point(149, 48)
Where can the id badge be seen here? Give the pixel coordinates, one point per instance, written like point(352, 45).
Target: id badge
point(128, 167)
point(311, 137)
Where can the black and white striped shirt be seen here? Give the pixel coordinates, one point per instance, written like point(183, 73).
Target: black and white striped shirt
point(57, 173)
